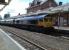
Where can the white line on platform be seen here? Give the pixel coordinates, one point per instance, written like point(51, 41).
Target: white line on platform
point(22, 48)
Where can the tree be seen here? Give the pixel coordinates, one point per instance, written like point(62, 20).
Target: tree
point(0, 17)
point(6, 16)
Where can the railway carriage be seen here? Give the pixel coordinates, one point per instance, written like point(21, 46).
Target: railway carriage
point(35, 21)
point(41, 21)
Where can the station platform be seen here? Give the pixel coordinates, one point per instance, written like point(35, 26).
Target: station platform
point(7, 43)
point(61, 28)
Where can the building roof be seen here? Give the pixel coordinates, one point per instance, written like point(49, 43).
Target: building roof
point(61, 8)
point(43, 5)
point(50, 10)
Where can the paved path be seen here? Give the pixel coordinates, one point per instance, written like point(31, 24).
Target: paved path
point(7, 43)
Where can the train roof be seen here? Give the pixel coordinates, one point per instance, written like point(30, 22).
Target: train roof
point(32, 17)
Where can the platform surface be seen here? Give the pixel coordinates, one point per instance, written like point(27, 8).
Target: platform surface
point(61, 28)
point(7, 43)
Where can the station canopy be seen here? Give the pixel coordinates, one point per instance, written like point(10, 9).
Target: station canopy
point(3, 4)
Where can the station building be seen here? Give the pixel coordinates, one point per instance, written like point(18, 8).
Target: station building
point(38, 5)
point(59, 13)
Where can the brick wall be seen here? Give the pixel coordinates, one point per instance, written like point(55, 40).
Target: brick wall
point(47, 4)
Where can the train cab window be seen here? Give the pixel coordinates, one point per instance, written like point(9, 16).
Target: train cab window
point(45, 19)
point(41, 19)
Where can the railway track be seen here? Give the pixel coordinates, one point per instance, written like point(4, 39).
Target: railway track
point(29, 41)
point(38, 47)
point(52, 32)
point(32, 43)
point(44, 43)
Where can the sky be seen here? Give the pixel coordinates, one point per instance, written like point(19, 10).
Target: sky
point(20, 6)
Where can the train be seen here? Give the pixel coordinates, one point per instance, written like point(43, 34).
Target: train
point(42, 21)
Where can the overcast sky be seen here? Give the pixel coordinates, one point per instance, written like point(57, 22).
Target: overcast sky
point(19, 6)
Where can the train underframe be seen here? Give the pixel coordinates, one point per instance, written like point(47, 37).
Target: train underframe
point(31, 27)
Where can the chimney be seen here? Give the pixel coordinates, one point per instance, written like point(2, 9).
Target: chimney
point(60, 3)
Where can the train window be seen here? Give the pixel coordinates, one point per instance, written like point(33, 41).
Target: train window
point(17, 21)
point(45, 19)
point(33, 21)
point(41, 19)
point(14, 20)
point(21, 21)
